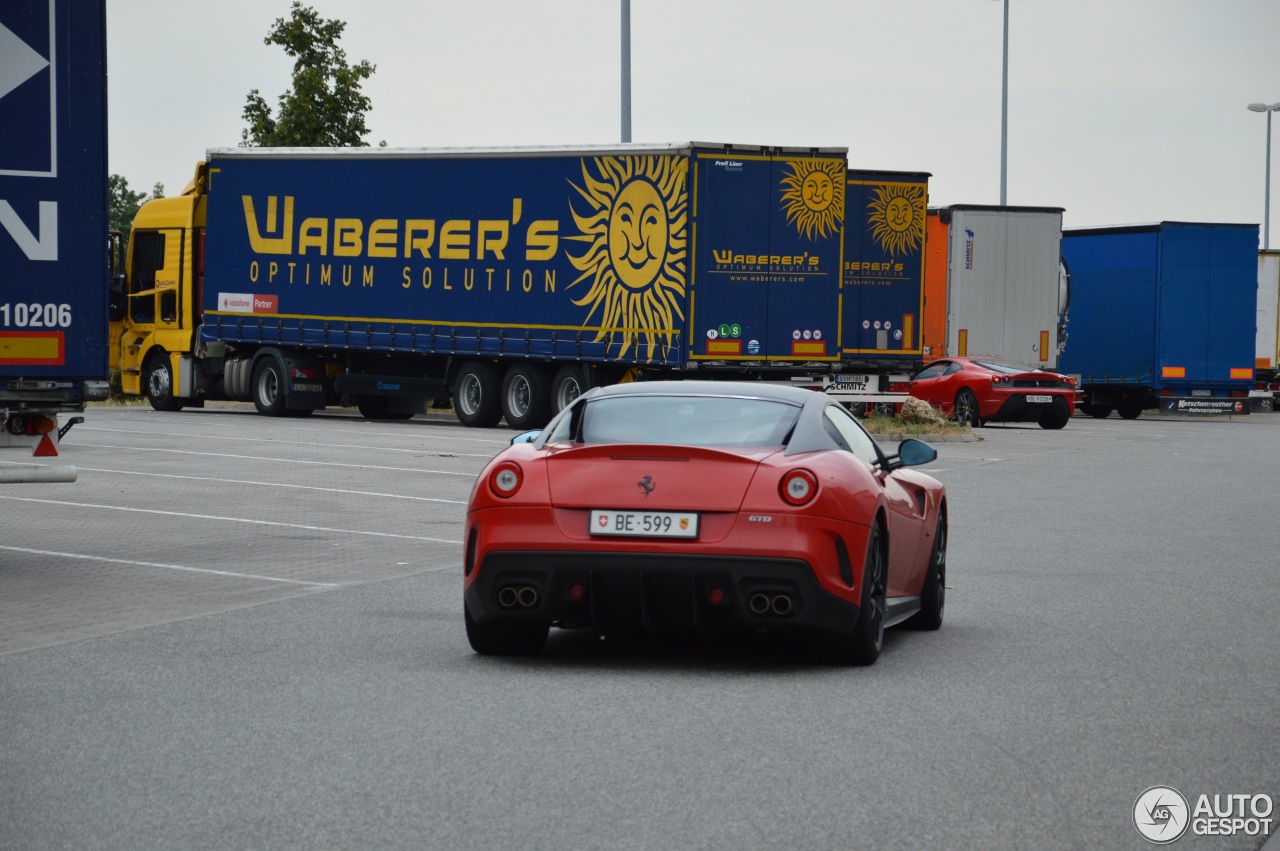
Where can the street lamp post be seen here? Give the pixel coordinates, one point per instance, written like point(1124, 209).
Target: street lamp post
point(626, 70)
point(1004, 109)
point(1268, 108)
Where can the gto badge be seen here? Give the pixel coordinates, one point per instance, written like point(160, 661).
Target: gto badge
point(760, 518)
point(646, 484)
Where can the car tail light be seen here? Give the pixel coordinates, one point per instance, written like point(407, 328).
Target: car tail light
point(1068, 381)
point(798, 487)
point(1001, 379)
point(505, 479)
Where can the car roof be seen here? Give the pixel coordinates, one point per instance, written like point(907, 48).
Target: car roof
point(752, 389)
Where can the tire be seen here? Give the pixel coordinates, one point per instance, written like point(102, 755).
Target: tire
point(1130, 410)
point(1055, 418)
point(862, 645)
point(933, 592)
point(1098, 412)
point(526, 397)
point(477, 394)
point(966, 408)
point(268, 388)
point(505, 637)
point(160, 383)
point(566, 387)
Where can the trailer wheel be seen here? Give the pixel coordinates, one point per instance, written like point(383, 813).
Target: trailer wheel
point(526, 397)
point(1098, 412)
point(160, 383)
point(566, 387)
point(269, 388)
point(477, 395)
point(1130, 410)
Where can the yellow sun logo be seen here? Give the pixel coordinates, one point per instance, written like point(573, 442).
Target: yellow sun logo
point(897, 217)
point(813, 196)
point(635, 229)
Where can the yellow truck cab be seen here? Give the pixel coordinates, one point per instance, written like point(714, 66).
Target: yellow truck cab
point(164, 277)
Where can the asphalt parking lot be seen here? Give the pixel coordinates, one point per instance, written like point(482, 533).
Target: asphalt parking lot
point(240, 632)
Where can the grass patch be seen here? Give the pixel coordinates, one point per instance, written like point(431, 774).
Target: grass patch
point(893, 424)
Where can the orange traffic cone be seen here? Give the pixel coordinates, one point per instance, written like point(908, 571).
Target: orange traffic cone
point(45, 448)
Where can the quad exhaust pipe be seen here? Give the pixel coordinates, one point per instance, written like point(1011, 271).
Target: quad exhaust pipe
point(780, 605)
point(517, 596)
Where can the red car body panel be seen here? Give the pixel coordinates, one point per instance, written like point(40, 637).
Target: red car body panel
point(535, 519)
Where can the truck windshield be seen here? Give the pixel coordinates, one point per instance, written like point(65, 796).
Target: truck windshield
point(688, 420)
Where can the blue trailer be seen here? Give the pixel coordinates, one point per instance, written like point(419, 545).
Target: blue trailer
point(508, 279)
point(1162, 316)
point(882, 281)
point(54, 294)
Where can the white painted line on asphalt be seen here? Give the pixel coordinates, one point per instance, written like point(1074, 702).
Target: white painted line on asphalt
point(132, 563)
point(499, 444)
point(265, 458)
point(270, 485)
point(230, 519)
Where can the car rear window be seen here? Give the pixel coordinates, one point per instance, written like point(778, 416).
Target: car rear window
point(688, 420)
point(1007, 367)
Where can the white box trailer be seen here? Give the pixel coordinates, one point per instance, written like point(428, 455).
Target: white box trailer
point(1268, 299)
point(1006, 296)
point(1267, 341)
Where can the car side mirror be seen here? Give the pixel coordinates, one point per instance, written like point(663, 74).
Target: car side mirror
point(911, 452)
point(526, 436)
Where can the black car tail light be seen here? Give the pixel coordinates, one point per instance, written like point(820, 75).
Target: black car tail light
point(469, 560)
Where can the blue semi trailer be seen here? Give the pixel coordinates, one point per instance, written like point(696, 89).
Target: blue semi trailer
point(54, 292)
point(1162, 316)
point(882, 281)
point(508, 279)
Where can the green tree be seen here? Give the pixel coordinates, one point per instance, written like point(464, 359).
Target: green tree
point(123, 203)
point(325, 108)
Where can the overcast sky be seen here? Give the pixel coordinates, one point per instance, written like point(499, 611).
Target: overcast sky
point(1120, 111)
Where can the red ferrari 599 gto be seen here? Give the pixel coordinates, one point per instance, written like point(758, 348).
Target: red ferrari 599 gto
point(704, 507)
